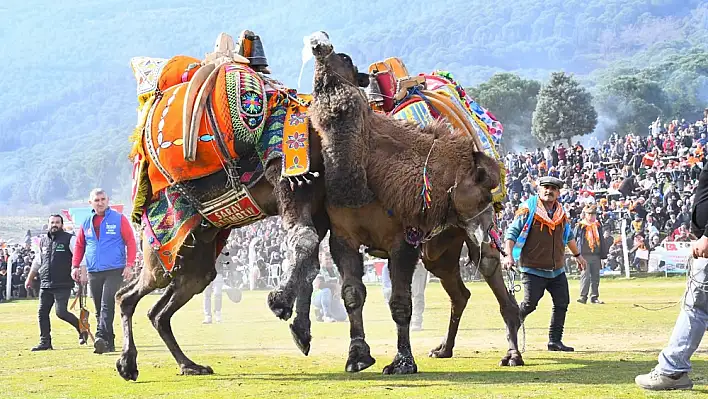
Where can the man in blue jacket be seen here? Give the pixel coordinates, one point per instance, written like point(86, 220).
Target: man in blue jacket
point(106, 238)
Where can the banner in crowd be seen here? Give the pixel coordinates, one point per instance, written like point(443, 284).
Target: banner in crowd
point(671, 257)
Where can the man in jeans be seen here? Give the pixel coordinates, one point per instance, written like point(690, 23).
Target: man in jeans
point(675, 360)
point(53, 265)
point(107, 240)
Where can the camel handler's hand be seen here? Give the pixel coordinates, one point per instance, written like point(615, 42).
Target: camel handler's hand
point(508, 262)
point(699, 248)
point(582, 263)
point(79, 274)
point(128, 272)
point(28, 284)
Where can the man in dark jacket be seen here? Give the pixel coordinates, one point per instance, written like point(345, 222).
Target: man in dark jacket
point(53, 264)
point(537, 239)
point(592, 245)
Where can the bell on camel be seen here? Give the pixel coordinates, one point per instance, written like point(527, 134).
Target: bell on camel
point(373, 91)
point(251, 47)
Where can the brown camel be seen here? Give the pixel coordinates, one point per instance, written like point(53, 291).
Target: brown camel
point(304, 218)
point(396, 154)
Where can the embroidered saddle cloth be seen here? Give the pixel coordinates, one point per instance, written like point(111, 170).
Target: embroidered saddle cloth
point(235, 118)
point(444, 98)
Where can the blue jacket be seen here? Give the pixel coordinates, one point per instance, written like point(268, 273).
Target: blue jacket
point(108, 251)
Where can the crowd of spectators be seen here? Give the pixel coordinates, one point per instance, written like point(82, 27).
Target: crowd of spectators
point(646, 180)
point(17, 260)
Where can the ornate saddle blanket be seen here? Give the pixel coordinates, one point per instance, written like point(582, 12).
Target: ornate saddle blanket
point(246, 120)
point(234, 118)
point(439, 97)
point(168, 220)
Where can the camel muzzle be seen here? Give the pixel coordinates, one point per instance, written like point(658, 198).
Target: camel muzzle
point(477, 227)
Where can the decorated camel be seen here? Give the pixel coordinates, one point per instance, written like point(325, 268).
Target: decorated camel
point(219, 146)
point(384, 163)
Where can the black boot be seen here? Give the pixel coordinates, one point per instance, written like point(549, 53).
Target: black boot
point(43, 346)
point(555, 332)
point(83, 337)
point(100, 346)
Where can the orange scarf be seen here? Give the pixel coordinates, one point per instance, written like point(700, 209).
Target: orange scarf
point(592, 234)
point(542, 217)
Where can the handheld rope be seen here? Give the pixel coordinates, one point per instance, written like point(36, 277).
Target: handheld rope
point(513, 288)
point(691, 283)
point(84, 325)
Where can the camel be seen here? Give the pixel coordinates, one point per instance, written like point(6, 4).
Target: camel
point(305, 218)
point(389, 158)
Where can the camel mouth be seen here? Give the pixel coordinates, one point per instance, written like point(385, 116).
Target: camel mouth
point(320, 44)
point(477, 227)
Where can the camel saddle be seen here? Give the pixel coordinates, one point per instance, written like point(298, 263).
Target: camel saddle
point(225, 124)
point(199, 88)
point(427, 97)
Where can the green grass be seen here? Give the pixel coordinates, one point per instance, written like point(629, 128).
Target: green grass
point(253, 355)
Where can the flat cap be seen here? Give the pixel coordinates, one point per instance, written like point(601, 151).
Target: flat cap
point(550, 181)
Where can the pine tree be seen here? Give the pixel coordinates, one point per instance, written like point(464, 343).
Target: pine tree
point(564, 110)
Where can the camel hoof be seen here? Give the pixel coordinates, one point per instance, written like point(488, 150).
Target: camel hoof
point(516, 361)
point(441, 352)
point(127, 367)
point(511, 360)
point(196, 369)
point(402, 364)
point(359, 356)
point(281, 308)
point(302, 338)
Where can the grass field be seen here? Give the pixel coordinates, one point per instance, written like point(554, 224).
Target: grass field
point(253, 355)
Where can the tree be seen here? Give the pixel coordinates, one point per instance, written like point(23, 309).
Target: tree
point(632, 101)
point(512, 100)
point(564, 110)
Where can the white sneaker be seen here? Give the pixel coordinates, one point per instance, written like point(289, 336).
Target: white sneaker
point(328, 319)
point(207, 319)
point(656, 381)
point(217, 316)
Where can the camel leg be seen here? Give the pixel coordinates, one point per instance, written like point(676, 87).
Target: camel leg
point(447, 269)
point(303, 245)
point(194, 276)
point(402, 261)
point(127, 299)
point(179, 292)
point(351, 266)
point(300, 327)
point(490, 267)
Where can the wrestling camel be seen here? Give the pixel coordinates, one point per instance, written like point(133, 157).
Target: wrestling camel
point(368, 155)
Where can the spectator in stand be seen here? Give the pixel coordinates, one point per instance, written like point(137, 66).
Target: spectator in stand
point(106, 239)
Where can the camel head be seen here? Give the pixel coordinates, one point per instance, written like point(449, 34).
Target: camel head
point(471, 196)
point(334, 64)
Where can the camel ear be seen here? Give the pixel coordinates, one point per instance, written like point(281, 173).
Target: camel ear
point(362, 79)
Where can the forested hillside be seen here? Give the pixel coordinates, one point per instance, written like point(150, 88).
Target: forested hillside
point(67, 102)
